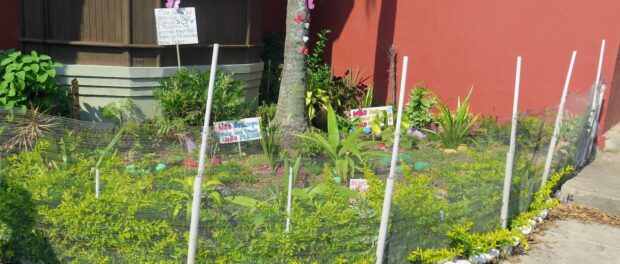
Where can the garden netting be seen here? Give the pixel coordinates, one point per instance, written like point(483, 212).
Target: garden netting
point(50, 212)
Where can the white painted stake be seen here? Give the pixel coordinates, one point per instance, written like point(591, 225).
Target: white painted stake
point(558, 121)
point(178, 57)
point(389, 187)
point(97, 186)
point(193, 231)
point(511, 151)
point(290, 200)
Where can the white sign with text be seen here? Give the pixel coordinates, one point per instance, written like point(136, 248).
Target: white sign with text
point(176, 27)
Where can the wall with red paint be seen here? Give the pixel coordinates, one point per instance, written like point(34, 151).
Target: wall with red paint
point(9, 25)
point(454, 44)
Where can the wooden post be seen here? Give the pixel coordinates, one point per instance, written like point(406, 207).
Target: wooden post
point(75, 102)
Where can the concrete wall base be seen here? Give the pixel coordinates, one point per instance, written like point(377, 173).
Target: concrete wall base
point(100, 85)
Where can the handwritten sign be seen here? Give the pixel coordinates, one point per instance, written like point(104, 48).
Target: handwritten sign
point(366, 115)
point(176, 27)
point(360, 185)
point(238, 130)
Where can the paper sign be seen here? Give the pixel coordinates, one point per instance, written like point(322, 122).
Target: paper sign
point(360, 185)
point(176, 27)
point(238, 130)
point(366, 115)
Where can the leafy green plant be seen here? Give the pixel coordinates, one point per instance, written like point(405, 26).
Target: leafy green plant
point(343, 93)
point(456, 125)
point(120, 111)
point(341, 152)
point(432, 256)
point(421, 102)
point(270, 143)
point(30, 79)
point(184, 96)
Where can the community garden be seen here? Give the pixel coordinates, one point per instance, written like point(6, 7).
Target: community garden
point(121, 192)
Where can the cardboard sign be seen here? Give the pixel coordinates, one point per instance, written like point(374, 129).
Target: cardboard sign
point(360, 185)
point(238, 130)
point(366, 115)
point(176, 27)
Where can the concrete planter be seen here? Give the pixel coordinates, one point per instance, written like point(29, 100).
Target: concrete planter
point(100, 85)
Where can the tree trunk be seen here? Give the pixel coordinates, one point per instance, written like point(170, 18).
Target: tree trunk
point(291, 112)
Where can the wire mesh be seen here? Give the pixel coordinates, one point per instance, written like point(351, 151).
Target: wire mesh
point(47, 182)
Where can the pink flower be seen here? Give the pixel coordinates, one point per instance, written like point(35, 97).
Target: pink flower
point(173, 4)
point(310, 4)
point(303, 50)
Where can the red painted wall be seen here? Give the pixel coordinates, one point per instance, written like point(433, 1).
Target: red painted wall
point(453, 44)
point(9, 24)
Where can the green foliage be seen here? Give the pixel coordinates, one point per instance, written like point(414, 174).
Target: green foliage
point(430, 256)
point(456, 125)
point(465, 242)
point(341, 152)
point(266, 112)
point(309, 148)
point(184, 95)
point(343, 93)
point(421, 102)
point(233, 173)
point(120, 111)
point(270, 143)
point(30, 79)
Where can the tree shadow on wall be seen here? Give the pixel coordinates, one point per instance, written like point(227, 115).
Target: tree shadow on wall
point(334, 16)
point(20, 240)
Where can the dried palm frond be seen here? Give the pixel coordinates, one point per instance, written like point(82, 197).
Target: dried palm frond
point(30, 127)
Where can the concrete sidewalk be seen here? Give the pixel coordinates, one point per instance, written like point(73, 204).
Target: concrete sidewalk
point(597, 185)
point(569, 241)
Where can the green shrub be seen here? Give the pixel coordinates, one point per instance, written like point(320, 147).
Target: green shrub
point(456, 125)
point(30, 79)
point(184, 96)
point(421, 102)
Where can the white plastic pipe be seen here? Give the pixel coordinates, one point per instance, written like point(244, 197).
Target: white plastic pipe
point(511, 151)
point(558, 121)
point(596, 102)
point(193, 230)
point(289, 203)
point(389, 187)
point(97, 186)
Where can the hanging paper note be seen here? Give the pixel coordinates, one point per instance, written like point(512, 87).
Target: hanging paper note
point(238, 130)
point(176, 27)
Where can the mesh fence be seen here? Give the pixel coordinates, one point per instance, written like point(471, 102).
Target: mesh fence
point(50, 212)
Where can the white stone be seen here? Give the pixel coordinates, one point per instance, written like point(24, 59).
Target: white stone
point(544, 213)
point(478, 259)
point(462, 261)
point(507, 249)
point(494, 253)
point(449, 262)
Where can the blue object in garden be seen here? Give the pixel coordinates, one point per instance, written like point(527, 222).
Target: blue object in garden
point(131, 168)
point(161, 167)
point(337, 180)
point(385, 161)
point(366, 130)
point(406, 158)
point(421, 166)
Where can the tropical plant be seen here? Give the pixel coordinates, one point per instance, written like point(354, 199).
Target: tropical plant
point(455, 126)
point(184, 96)
point(270, 143)
point(30, 79)
point(418, 109)
point(342, 152)
point(120, 111)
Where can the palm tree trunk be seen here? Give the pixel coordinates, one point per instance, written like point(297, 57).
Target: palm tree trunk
point(291, 111)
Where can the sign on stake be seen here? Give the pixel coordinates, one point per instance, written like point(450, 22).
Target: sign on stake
point(176, 27)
